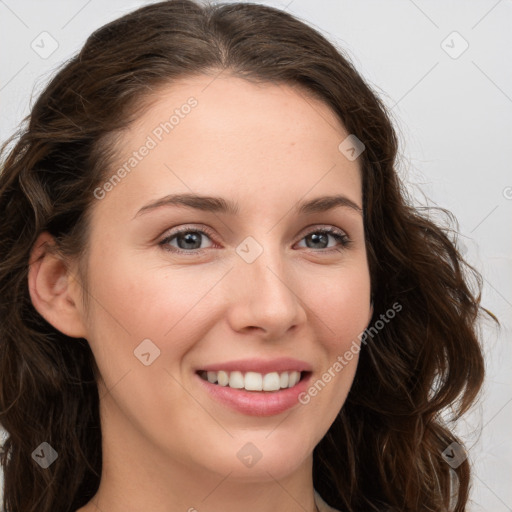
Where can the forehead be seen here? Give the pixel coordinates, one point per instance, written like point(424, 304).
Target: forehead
point(231, 137)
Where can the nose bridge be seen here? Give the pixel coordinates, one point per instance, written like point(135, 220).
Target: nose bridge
point(265, 298)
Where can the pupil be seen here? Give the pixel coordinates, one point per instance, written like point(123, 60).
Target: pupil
point(191, 238)
point(316, 237)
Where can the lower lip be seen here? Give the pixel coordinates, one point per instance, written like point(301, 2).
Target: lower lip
point(257, 403)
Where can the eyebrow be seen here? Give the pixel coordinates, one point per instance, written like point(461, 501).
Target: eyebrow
point(221, 205)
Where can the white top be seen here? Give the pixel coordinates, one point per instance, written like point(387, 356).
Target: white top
point(322, 505)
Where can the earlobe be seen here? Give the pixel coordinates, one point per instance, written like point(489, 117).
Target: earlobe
point(49, 281)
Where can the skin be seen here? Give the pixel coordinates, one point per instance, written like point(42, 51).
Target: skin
point(167, 446)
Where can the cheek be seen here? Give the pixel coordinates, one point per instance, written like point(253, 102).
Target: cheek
point(343, 305)
point(138, 311)
point(134, 302)
point(145, 301)
point(342, 302)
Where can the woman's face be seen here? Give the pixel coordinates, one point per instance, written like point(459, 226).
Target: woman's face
point(264, 290)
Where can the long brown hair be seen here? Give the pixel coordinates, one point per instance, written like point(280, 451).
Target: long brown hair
point(384, 450)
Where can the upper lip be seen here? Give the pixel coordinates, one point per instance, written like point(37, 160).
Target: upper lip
point(281, 364)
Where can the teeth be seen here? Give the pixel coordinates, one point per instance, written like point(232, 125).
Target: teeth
point(222, 378)
point(236, 380)
point(271, 382)
point(253, 381)
point(293, 379)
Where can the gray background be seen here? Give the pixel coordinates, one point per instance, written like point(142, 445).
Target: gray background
point(453, 111)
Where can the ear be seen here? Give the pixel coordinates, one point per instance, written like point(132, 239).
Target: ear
point(54, 290)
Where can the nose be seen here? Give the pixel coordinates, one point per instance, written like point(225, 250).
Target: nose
point(265, 296)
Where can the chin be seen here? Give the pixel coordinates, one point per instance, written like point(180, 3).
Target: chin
point(260, 456)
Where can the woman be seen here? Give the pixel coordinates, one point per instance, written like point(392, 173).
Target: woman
point(140, 372)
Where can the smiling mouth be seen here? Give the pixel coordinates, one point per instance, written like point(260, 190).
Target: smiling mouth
point(253, 381)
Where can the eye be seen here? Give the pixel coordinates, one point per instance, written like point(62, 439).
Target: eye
point(187, 239)
point(320, 237)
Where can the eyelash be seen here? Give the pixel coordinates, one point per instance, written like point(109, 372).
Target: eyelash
point(341, 237)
